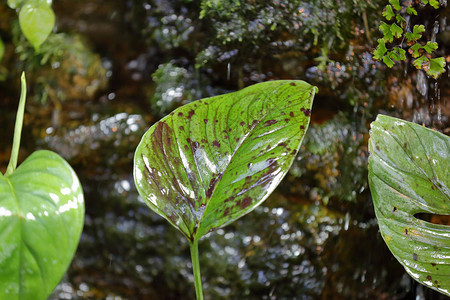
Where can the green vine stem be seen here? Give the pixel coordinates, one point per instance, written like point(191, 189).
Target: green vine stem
point(196, 269)
point(18, 127)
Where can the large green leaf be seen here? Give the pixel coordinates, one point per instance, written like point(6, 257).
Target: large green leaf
point(214, 160)
point(409, 174)
point(37, 20)
point(41, 218)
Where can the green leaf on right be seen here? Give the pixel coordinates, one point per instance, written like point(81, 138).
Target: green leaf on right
point(214, 160)
point(416, 34)
point(437, 67)
point(430, 47)
point(36, 20)
point(409, 174)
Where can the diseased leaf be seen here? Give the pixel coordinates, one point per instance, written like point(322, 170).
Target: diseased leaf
point(422, 62)
point(41, 218)
point(437, 67)
point(409, 174)
point(414, 50)
point(36, 21)
point(214, 160)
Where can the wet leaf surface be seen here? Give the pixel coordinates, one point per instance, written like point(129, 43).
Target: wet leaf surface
point(41, 219)
point(214, 160)
point(408, 175)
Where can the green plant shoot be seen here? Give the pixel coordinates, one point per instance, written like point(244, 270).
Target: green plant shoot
point(214, 160)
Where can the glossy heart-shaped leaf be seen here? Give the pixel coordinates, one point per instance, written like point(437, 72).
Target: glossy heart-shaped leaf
point(41, 218)
point(37, 20)
point(409, 174)
point(214, 160)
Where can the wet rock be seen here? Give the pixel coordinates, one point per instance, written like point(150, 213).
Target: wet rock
point(334, 157)
point(106, 141)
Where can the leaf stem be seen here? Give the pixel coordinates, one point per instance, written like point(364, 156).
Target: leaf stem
point(18, 127)
point(196, 269)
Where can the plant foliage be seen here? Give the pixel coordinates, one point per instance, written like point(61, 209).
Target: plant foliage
point(397, 33)
point(41, 219)
point(36, 19)
point(214, 160)
point(409, 174)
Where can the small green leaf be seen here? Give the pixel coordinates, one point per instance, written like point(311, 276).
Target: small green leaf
point(396, 30)
point(2, 49)
point(411, 11)
point(386, 29)
point(380, 50)
point(388, 61)
point(388, 13)
point(214, 160)
point(414, 50)
point(408, 175)
point(434, 3)
point(400, 21)
point(395, 4)
point(437, 67)
point(422, 62)
point(416, 34)
point(430, 47)
point(36, 22)
point(400, 52)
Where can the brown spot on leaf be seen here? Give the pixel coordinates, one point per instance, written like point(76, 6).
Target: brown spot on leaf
point(286, 120)
point(245, 202)
point(212, 185)
point(216, 143)
point(226, 211)
point(429, 277)
point(415, 256)
point(291, 114)
point(180, 114)
point(307, 112)
point(406, 231)
point(302, 127)
point(181, 128)
point(188, 140)
point(394, 209)
point(270, 122)
point(282, 144)
point(191, 113)
point(205, 120)
point(294, 152)
point(292, 83)
point(242, 123)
